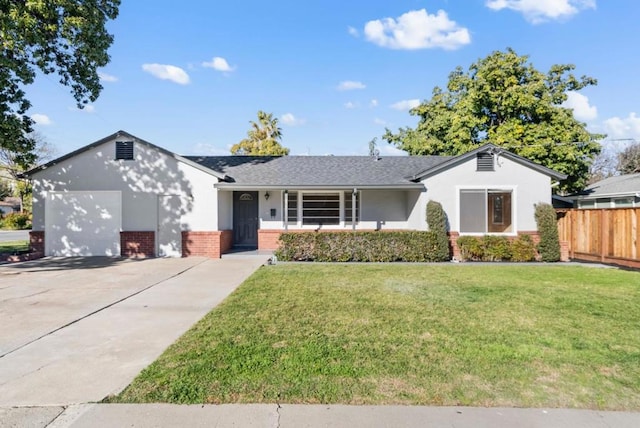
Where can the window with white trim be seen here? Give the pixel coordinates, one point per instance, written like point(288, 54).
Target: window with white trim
point(309, 208)
point(486, 211)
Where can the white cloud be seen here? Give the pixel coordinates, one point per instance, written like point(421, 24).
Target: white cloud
point(537, 11)
point(104, 77)
point(349, 85)
point(417, 30)
point(406, 104)
point(580, 105)
point(379, 121)
point(353, 31)
point(373, 103)
point(291, 120)
point(350, 105)
point(167, 72)
point(220, 64)
point(390, 150)
point(627, 127)
point(41, 119)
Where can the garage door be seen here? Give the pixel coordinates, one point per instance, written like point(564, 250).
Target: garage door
point(83, 223)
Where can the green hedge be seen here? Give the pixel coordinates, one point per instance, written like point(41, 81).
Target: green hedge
point(402, 246)
point(491, 248)
point(16, 221)
point(547, 221)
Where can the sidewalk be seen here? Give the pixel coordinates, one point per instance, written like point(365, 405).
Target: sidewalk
point(311, 416)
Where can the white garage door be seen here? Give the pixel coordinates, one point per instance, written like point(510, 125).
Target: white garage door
point(83, 223)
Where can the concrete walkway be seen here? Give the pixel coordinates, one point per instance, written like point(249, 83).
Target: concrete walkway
point(311, 416)
point(102, 349)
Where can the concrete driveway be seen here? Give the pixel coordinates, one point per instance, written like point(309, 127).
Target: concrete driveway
point(75, 330)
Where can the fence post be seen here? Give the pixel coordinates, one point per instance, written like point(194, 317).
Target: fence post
point(603, 226)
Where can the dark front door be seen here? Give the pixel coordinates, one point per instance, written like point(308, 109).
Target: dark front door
point(245, 219)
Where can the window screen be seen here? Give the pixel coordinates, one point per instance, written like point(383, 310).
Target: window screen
point(348, 209)
point(473, 211)
point(320, 208)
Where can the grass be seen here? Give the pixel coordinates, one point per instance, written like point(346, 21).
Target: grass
point(13, 247)
point(523, 336)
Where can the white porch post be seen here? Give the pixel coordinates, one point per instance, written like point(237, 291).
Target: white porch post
point(353, 208)
point(286, 210)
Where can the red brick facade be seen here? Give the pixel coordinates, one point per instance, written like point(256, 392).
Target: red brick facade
point(138, 244)
point(36, 242)
point(268, 239)
point(206, 244)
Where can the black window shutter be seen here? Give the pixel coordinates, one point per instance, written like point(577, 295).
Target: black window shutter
point(124, 150)
point(485, 161)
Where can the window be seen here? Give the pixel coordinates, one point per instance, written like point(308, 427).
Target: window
point(623, 202)
point(320, 208)
point(484, 162)
point(587, 204)
point(348, 209)
point(292, 207)
point(124, 150)
point(485, 211)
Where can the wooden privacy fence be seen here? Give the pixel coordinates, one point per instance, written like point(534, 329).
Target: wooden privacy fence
point(602, 235)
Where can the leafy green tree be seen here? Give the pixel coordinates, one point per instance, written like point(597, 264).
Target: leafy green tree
point(504, 100)
point(65, 37)
point(629, 160)
point(263, 138)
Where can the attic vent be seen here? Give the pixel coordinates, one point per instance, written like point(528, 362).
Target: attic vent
point(485, 161)
point(124, 150)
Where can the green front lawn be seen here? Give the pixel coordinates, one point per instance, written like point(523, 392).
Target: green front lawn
point(531, 336)
point(12, 247)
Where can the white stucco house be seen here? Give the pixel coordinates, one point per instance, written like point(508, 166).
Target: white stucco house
point(125, 196)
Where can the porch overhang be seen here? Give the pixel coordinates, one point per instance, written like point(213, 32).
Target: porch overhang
point(242, 187)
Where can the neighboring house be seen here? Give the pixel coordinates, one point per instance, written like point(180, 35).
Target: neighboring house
point(124, 196)
point(9, 205)
point(622, 191)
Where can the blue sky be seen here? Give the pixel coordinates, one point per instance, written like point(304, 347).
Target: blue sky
point(189, 76)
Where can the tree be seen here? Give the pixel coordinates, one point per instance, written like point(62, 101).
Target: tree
point(65, 37)
point(262, 139)
point(504, 100)
point(629, 160)
point(11, 166)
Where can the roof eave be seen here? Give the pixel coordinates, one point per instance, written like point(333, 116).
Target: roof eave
point(234, 186)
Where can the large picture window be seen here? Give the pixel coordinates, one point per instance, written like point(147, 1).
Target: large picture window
point(485, 211)
point(321, 208)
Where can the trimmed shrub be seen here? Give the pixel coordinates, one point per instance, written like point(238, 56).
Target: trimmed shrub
point(437, 222)
point(549, 246)
point(16, 221)
point(471, 248)
point(523, 249)
point(496, 248)
point(360, 247)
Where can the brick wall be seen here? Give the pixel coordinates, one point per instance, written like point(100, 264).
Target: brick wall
point(268, 239)
point(138, 244)
point(210, 244)
point(36, 242)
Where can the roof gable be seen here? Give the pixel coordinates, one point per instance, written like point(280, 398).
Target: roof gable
point(124, 135)
point(487, 148)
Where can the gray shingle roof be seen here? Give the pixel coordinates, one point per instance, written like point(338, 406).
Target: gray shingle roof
point(622, 184)
point(364, 171)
